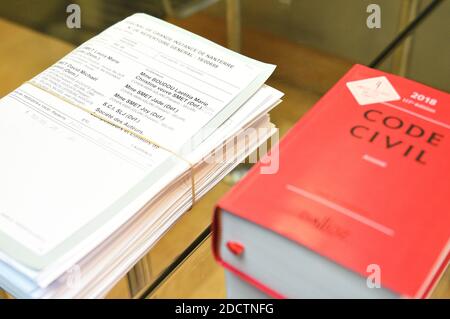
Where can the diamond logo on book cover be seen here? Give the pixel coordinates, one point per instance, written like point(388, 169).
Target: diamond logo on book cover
point(373, 90)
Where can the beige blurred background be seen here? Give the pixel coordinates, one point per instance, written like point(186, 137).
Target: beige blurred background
point(336, 27)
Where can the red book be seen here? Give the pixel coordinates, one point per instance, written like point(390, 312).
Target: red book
point(363, 183)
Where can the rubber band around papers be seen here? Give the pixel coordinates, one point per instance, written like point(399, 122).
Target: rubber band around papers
point(191, 166)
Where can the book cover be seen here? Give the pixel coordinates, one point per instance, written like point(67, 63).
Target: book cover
point(363, 181)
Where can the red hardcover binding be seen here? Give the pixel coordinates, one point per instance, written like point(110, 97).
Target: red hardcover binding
point(364, 178)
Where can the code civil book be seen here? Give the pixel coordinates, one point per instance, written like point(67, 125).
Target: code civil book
point(359, 207)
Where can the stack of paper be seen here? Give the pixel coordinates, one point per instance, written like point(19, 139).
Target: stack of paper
point(105, 149)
